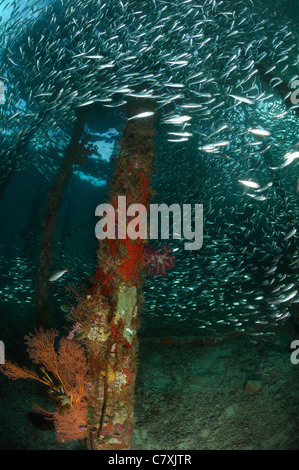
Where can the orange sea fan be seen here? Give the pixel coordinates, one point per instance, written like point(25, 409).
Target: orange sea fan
point(72, 424)
point(72, 367)
point(15, 372)
point(65, 373)
point(41, 350)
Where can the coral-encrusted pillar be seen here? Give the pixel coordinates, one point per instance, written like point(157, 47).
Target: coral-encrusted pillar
point(113, 304)
point(74, 154)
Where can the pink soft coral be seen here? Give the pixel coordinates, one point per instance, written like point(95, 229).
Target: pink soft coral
point(158, 262)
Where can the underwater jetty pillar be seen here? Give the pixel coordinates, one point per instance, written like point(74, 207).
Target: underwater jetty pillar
point(112, 305)
point(74, 154)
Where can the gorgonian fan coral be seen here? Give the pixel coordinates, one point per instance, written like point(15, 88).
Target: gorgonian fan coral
point(65, 373)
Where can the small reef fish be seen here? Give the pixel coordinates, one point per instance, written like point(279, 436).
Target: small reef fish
point(58, 274)
point(65, 308)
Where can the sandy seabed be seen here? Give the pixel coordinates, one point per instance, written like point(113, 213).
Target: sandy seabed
point(233, 395)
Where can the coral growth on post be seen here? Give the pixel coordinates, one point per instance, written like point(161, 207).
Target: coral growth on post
point(109, 314)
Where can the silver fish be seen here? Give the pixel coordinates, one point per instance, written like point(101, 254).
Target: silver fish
point(262, 132)
point(250, 184)
point(145, 114)
point(242, 99)
point(290, 234)
point(58, 274)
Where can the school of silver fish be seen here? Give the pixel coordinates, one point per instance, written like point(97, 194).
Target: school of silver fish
point(225, 135)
